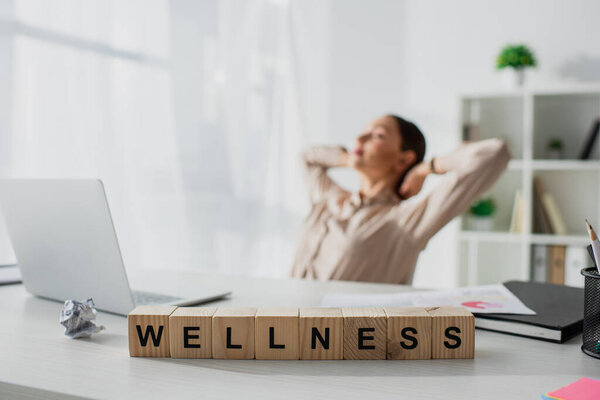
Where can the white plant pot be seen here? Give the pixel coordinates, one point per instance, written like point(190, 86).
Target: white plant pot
point(519, 77)
point(554, 154)
point(481, 223)
point(513, 78)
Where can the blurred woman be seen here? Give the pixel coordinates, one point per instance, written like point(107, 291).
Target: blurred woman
point(376, 234)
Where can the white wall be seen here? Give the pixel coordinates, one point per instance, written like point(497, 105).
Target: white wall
point(365, 69)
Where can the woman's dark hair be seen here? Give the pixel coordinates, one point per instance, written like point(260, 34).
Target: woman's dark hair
point(412, 139)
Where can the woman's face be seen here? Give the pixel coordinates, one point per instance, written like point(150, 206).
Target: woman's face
point(377, 150)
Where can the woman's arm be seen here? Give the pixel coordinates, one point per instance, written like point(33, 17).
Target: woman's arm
point(474, 168)
point(469, 153)
point(315, 163)
point(461, 158)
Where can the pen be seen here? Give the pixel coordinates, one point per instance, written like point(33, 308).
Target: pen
point(595, 244)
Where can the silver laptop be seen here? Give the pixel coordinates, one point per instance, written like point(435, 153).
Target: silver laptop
point(66, 246)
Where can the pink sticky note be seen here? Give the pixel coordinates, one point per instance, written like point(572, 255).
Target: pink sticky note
point(583, 389)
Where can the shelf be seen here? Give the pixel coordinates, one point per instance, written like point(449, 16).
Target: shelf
point(576, 195)
point(566, 165)
point(528, 119)
point(535, 238)
point(503, 194)
point(491, 262)
point(556, 90)
point(515, 165)
point(491, 236)
point(568, 117)
point(567, 240)
point(497, 117)
point(554, 165)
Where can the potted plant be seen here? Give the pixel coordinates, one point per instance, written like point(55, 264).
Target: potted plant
point(554, 149)
point(481, 213)
point(517, 57)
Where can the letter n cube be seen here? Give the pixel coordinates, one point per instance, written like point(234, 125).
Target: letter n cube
point(321, 334)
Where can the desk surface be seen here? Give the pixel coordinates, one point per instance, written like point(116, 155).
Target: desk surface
point(38, 361)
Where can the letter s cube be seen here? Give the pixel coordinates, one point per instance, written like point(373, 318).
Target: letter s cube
point(452, 332)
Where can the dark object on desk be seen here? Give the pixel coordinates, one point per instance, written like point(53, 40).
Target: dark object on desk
point(591, 319)
point(591, 139)
point(559, 312)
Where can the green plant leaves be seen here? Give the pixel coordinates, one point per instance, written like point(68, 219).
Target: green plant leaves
point(484, 207)
point(515, 56)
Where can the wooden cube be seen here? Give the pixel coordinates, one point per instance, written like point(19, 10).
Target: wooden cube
point(190, 332)
point(233, 333)
point(408, 333)
point(452, 332)
point(321, 334)
point(148, 329)
point(276, 333)
point(365, 331)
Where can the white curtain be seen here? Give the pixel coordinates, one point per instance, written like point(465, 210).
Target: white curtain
point(265, 68)
point(93, 96)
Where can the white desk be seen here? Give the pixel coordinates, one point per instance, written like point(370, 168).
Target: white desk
point(37, 361)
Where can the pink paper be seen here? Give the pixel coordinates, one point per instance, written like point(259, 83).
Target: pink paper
point(583, 389)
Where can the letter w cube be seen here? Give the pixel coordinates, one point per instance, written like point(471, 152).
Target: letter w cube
point(149, 331)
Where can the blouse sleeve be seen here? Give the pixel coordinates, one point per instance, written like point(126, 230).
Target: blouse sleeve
point(315, 163)
point(483, 163)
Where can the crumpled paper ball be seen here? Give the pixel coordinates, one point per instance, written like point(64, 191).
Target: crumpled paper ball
point(77, 318)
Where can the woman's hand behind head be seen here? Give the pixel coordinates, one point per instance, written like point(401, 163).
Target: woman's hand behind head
point(413, 181)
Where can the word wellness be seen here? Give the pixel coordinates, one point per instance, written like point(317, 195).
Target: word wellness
point(393, 333)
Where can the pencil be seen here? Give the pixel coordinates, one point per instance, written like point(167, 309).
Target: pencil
point(595, 244)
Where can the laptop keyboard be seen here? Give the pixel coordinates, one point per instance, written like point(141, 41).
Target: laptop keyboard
point(145, 298)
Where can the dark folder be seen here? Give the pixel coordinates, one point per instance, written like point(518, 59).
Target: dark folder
point(559, 312)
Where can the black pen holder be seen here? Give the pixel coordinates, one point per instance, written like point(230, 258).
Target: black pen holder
point(591, 313)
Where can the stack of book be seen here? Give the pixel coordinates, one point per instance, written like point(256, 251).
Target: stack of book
point(554, 263)
point(547, 215)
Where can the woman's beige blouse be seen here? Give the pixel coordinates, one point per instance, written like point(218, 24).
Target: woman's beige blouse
point(379, 239)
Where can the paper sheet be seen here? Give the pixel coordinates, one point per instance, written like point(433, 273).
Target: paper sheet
point(477, 299)
point(583, 389)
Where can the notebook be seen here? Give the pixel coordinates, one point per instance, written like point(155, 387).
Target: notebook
point(559, 312)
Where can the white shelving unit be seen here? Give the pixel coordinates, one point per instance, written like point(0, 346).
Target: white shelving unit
point(527, 119)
